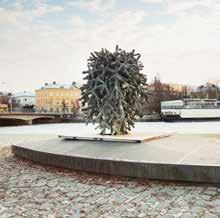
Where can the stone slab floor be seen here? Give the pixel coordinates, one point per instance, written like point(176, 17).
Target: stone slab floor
point(31, 190)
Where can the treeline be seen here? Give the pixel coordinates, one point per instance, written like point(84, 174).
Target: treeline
point(166, 92)
point(162, 92)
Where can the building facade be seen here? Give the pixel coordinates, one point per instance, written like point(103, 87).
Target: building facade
point(3, 108)
point(23, 102)
point(207, 91)
point(5, 102)
point(58, 99)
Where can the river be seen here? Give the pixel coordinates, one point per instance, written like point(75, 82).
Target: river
point(17, 134)
point(81, 128)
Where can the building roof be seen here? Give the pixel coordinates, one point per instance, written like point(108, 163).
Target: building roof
point(4, 93)
point(23, 94)
point(55, 85)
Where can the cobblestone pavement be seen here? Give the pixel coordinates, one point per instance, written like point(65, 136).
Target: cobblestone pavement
point(30, 190)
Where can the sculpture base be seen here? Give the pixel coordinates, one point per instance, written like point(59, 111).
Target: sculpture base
point(128, 138)
point(178, 157)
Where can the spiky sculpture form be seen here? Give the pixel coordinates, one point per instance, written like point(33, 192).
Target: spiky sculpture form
point(115, 91)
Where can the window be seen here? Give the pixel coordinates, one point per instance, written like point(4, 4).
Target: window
point(171, 107)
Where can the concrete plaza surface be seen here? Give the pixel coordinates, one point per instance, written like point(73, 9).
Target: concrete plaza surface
point(185, 157)
point(31, 190)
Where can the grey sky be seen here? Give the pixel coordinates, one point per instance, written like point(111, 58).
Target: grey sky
point(43, 41)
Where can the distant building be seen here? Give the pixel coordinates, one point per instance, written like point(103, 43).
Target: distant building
point(214, 82)
point(58, 98)
point(3, 108)
point(5, 101)
point(23, 102)
point(5, 97)
point(209, 90)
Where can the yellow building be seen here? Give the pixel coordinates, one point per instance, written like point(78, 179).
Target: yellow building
point(58, 98)
point(3, 108)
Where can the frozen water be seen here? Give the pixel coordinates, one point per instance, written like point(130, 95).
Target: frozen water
point(81, 128)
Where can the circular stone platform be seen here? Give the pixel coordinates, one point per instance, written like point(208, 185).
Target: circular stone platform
point(178, 157)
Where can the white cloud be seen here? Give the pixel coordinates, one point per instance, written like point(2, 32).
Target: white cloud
point(7, 16)
point(42, 8)
point(179, 7)
point(94, 5)
point(186, 50)
point(77, 21)
point(185, 7)
point(178, 51)
point(153, 1)
point(18, 14)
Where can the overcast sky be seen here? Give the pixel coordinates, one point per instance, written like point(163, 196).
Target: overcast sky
point(47, 40)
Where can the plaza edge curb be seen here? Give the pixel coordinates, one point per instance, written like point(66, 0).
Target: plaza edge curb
point(128, 168)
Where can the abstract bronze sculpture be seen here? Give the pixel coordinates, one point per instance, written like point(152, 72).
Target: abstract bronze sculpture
point(115, 90)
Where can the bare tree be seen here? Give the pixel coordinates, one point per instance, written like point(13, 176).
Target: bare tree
point(161, 92)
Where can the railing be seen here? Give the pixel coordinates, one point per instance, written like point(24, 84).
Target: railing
point(192, 107)
point(28, 113)
point(171, 107)
point(202, 107)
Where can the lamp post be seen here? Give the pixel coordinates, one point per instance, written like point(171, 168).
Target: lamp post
point(216, 90)
point(201, 90)
point(10, 102)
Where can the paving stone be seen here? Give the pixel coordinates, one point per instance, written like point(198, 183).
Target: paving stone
point(210, 192)
point(128, 192)
point(212, 188)
point(210, 215)
point(30, 190)
point(216, 202)
point(187, 215)
point(72, 194)
point(206, 197)
point(201, 203)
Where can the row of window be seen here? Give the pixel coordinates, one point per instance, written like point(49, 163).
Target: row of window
point(56, 94)
point(171, 107)
point(192, 107)
point(55, 110)
point(52, 102)
point(19, 101)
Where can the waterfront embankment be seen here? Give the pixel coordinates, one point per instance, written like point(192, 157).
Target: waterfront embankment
point(18, 119)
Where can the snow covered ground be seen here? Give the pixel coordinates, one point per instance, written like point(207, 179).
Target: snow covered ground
point(80, 128)
point(20, 134)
